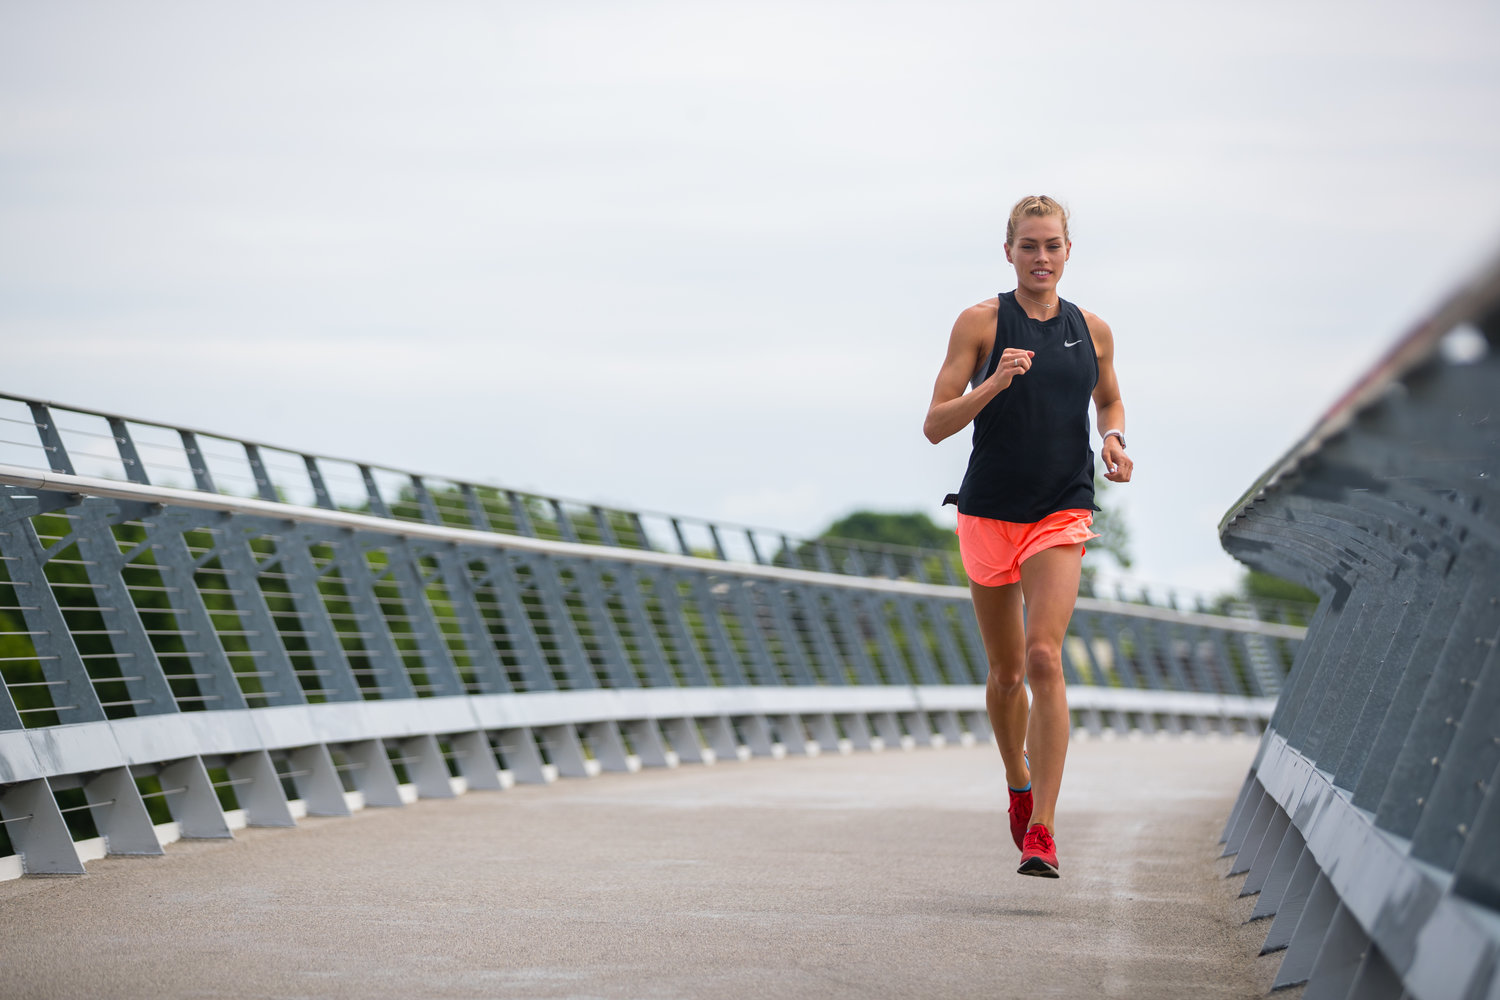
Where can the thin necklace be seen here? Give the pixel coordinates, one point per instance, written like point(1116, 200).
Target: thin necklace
point(1044, 305)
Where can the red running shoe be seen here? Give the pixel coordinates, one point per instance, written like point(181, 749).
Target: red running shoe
point(1020, 815)
point(1038, 853)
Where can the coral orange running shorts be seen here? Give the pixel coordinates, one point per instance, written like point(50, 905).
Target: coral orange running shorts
point(993, 551)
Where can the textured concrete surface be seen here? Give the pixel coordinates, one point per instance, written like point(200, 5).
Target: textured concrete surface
point(868, 875)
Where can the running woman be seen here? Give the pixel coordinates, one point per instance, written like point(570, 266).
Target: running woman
point(1030, 362)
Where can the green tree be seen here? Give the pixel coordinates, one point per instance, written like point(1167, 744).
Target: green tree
point(862, 541)
point(1272, 597)
point(913, 530)
point(1114, 535)
point(1258, 586)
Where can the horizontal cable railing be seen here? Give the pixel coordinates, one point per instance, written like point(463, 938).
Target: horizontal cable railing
point(42, 435)
point(179, 660)
point(1369, 825)
point(38, 434)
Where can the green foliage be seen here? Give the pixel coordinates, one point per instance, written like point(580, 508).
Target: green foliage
point(913, 530)
point(528, 514)
point(1256, 585)
point(861, 542)
point(23, 672)
point(1277, 599)
point(1273, 598)
point(1114, 533)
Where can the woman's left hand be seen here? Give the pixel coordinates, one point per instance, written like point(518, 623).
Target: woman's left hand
point(1117, 464)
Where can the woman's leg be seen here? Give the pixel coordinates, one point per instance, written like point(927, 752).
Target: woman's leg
point(1049, 581)
point(1002, 627)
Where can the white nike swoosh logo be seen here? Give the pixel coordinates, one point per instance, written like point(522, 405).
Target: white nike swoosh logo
point(1072, 343)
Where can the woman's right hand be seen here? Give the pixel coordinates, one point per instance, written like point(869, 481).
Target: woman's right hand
point(954, 406)
point(1013, 362)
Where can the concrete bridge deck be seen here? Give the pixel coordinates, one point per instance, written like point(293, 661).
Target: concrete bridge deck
point(866, 875)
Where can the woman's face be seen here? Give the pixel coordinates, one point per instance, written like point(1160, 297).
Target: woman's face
point(1038, 253)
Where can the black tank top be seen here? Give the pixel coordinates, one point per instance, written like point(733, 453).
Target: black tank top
point(1031, 454)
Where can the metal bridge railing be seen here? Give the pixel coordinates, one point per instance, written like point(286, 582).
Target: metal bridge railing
point(37, 434)
point(177, 662)
point(1369, 824)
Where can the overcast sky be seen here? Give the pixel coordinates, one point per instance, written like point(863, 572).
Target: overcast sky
point(705, 258)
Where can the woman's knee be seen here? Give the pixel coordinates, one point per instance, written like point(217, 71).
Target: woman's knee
point(1044, 663)
point(1007, 677)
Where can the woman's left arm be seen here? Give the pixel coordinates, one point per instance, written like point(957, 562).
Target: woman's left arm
point(1108, 404)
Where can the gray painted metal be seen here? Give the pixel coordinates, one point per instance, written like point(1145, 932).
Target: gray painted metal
point(119, 814)
point(225, 660)
point(1370, 825)
point(34, 824)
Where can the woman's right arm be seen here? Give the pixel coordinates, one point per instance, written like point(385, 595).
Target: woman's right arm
point(952, 409)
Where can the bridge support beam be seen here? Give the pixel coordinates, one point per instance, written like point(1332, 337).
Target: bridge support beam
point(682, 736)
point(36, 827)
point(426, 766)
point(192, 801)
point(373, 775)
point(719, 731)
point(317, 781)
point(645, 737)
point(475, 761)
point(518, 750)
point(120, 814)
point(258, 789)
point(563, 747)
point(857, 728)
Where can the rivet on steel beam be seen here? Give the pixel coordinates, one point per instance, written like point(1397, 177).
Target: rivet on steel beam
point(1420, 801)
point(1435, 762)
point(1463, 830)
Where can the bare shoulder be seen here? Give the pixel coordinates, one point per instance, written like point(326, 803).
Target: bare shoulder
point(1095, 324)
point(977, 323)
point(1103, 336)
point(981, 311)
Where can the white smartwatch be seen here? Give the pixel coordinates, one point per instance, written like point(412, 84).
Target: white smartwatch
point(1116, 433)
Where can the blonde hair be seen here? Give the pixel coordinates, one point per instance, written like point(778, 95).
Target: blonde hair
point(1038, 206)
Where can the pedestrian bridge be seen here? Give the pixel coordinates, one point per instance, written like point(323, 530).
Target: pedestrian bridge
point(839, 876)
point(206, 638)
point(188, 660)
